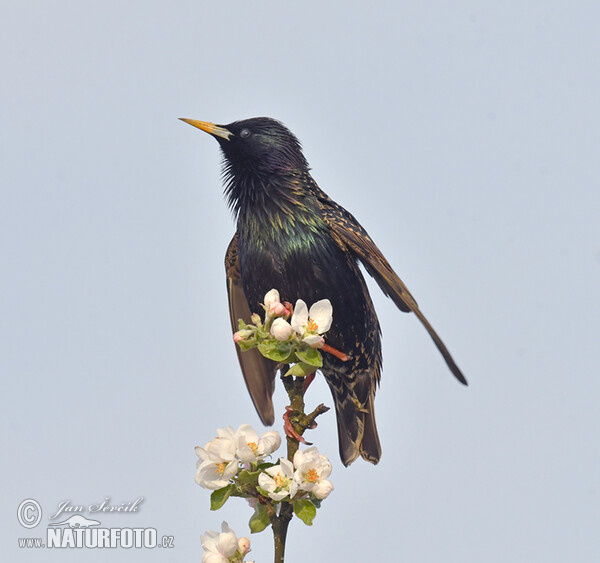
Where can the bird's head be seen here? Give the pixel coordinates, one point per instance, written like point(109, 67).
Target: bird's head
point(256, 146)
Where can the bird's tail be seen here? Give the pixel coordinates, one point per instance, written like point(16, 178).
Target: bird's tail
point(357, 430)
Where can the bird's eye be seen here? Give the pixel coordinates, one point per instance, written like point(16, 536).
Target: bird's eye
point(245, 133)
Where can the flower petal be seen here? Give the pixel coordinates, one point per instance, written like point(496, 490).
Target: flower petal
point(300, 317)
point(322, 314)
point(314, 340)
point(271, 297)
point(281, 329)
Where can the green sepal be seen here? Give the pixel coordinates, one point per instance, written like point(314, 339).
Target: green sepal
point(260, 519)
point(247, 344)
point(305, 510)
point(262, 491)
point(275, 350)
point(301, 369)
point(220, 496)
point(310, 356)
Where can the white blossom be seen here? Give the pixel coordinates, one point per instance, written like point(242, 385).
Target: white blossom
point(250, 448)
point(312, 470)
point(217, 462)
point(219, 547)
point(278, 480)
point(311, 324)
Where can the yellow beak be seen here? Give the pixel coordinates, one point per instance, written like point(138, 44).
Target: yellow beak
point(211, 128)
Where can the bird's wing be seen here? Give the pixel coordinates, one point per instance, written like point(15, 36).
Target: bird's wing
point(259, 372)
point(352, 236)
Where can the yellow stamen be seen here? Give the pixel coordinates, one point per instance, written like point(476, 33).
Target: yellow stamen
point(220, 468)
point(311, 476)
point(312, 325)
point(253, 446)
point(281, 480)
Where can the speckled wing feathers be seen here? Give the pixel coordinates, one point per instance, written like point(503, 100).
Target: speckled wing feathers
point(350, 233)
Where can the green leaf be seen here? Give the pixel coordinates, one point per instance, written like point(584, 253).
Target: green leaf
point(218, 497)
point(301, 369)
point(265, 465)
point(275, 350)
point(241, 324)
point(260, 519)
point(248, 477)
point(305, 510)
point(310, 356)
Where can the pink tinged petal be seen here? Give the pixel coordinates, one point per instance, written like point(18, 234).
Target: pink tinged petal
point(281, 329)
point(314, 340)
point(271, 297)
point(322, 314)
point(244, 545)
point(277, 309)
point(241, 335)
point(300, 317)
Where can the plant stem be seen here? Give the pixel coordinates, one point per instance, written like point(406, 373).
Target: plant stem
point(294, 387)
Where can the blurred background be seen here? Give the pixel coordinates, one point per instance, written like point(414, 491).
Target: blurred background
point(465, 138)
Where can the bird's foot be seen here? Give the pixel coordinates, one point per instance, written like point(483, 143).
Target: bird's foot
point(331, 350)
point(288, 427)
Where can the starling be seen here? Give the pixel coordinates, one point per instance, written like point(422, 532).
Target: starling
point(291, 236)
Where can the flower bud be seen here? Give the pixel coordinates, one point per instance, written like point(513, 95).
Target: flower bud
point(255, 318)
point(241, 335)
point(244, 545)
point(271, 297)
point(277, 309)
point(281, 329)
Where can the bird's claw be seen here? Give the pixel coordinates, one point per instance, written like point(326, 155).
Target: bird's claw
point(289, 430)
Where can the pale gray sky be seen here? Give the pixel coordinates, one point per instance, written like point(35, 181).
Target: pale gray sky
point(465, 138)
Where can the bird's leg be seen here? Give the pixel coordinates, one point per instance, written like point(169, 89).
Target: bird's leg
point(289, 430)
point(296, 421)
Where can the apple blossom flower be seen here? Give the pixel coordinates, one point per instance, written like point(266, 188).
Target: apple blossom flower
point(312, 324)
point(281, 329)
point(217, 462)
point(220, 547)
point(214, 475)
point(278, 481)
point(312, 470)
point(250, 448)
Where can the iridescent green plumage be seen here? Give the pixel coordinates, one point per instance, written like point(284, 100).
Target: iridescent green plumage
point(291, 236)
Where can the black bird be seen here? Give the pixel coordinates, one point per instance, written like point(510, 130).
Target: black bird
point(291, 236)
